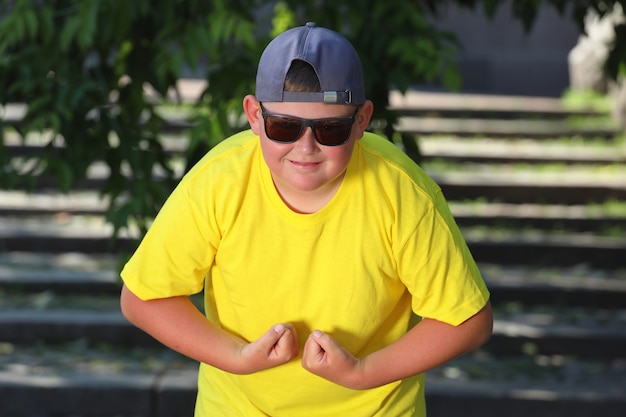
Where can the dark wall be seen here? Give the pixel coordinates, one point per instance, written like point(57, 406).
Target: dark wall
point(499, 57)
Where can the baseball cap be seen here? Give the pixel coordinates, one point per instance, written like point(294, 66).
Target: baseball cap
point(331, 55)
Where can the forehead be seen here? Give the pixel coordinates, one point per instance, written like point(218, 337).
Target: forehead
point(309, 110)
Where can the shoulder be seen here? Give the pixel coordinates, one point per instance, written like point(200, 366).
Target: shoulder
point(386, 151)
point(217, 182)
point(390, 162)
point(232, 156)
point(238, 146)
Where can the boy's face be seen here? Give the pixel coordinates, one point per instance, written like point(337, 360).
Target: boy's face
point(305, 169)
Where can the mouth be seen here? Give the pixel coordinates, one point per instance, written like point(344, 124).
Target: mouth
point(305, 165)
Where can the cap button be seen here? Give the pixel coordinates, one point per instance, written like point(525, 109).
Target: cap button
point(310, 24)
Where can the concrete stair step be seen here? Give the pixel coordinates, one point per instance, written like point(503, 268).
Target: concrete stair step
point(484, 105)
point(556, 288)
point(73, 379)
point(535, 129)
point(531, 187)
point(53, 203)
point(518, 151)
point(576, 185)
point(440, 147)
point(514, 398)
point(69, 379)
point(99, 326)
point(565, 250)
point(548, 332)
point(72, 273)
point(593, 293)
point(25, 273)
point(511, 187)
point(549, 217)
point(91, 235)
point(467, 115)
point(516, 337)
point(61, 207)
point(559, 343)
point(547, 250)
point(166, 394)
point(463, 148)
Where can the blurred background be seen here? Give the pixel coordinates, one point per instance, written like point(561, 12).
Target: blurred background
point(515, 108)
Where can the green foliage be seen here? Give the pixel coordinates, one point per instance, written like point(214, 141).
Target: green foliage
point(398, 45)
point(82, 68)
point(585, 100)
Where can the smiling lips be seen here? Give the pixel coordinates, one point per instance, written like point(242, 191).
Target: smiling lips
point(305, 165)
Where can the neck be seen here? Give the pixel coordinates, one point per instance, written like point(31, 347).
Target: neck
point(308, 202)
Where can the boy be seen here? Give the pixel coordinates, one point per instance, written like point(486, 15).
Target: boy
point(314, 242)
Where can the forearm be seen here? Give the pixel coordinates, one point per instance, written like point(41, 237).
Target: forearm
point(178, 324)
point(427, 345)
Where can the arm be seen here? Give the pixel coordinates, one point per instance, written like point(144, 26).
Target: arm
point(178, 324)
point(427, 345)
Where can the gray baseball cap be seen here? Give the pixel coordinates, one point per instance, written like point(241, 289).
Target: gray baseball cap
point(331, 55)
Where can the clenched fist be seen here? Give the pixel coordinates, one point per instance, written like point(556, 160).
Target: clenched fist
point(324, 356)
point(277, 346)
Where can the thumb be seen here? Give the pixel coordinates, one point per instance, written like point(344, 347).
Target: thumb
point(316, 346)
point(319, 352)
point(277, 331)
point(270, 337)
point(324, 341)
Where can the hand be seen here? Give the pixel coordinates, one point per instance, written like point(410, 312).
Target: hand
point(277, 346)
point(323, 356)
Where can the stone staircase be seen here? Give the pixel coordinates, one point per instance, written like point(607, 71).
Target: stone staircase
point(540, 198)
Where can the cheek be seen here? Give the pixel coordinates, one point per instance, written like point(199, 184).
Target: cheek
point(272, 152)
point(340, 155)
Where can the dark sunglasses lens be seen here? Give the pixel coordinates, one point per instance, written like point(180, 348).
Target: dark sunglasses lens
point(333, 132)
point(282, 129)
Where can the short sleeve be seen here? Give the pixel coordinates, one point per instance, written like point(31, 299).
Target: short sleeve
point(176, 252)
point(438, 269)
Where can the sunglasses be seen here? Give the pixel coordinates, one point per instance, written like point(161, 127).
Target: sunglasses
point(330, 131)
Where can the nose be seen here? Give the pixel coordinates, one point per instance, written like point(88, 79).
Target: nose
point(306, 142)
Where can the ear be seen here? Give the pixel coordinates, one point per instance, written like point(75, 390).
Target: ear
point(364, 117)
point(252, 109)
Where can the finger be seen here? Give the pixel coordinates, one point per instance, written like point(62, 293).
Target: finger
point(286, 347)
point(273, 335)
point(267, 341)
point(285, 350)
point(313, 353)
point(323, 340)
point(311, 346)
point(291, 329)
point(289, 338)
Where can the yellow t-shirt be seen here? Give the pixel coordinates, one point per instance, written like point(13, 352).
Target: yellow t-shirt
point(385, 246)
